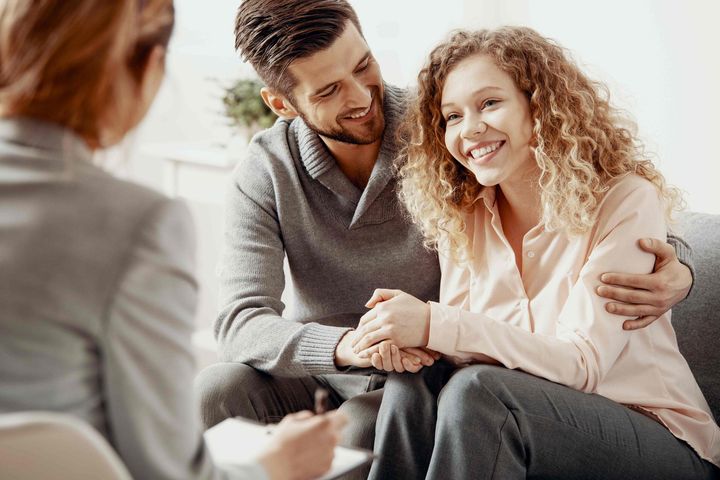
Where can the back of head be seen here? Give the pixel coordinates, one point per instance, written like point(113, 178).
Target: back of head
point(62, 61)
point(271, 34)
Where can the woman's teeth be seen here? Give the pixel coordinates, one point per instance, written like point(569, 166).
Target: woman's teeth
point(481, 152)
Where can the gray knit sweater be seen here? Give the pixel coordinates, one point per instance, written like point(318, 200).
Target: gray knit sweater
point(289, 197)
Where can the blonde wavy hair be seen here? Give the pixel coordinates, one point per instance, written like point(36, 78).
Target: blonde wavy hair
point(63, 61)
point(580, 141)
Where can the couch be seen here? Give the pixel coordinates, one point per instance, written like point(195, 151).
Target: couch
point(697, 318)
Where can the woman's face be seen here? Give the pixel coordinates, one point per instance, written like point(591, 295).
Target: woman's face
point(488, 123)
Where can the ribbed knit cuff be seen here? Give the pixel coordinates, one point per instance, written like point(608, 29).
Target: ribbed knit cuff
point(684, 254)
point(316, 351)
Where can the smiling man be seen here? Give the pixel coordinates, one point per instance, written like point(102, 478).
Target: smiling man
point(318, 189)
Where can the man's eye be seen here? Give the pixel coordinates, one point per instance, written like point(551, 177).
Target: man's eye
point(328, 92)
point(364, 66)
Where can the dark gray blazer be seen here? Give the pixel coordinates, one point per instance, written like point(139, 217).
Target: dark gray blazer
point(97, 299)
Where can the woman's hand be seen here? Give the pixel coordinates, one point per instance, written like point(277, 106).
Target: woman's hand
point(647, 296)
point(388, 357)
point(385, 354)
point(395, 316)
point(303, 446)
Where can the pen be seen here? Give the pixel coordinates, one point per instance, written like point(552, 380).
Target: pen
point(321, 401)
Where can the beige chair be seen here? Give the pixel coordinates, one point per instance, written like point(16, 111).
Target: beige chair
point(47, 446)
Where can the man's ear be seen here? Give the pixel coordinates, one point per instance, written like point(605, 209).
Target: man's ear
point(278, 103)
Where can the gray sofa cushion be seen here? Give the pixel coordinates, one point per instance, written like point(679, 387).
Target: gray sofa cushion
point(697, 318)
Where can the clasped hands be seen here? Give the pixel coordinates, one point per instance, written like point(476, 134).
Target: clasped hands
point(392, 336)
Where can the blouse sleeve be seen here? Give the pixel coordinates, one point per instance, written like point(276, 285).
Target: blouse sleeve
point(588, 340)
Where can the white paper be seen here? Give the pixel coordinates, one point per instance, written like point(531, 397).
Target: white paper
point(237, 441)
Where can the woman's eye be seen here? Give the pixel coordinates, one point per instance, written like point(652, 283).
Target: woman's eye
point(489, 103)
point(452, 116)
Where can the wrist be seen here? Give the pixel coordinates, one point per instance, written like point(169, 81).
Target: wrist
point(271, 461)
point(343, 351)
point(426, 333)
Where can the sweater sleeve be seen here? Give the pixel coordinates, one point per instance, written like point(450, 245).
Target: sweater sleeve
point(250, 327)
point(148, 367)
point(587, 340)
point(684, 253)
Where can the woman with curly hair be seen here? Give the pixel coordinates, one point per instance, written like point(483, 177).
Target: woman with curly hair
point(530, 185)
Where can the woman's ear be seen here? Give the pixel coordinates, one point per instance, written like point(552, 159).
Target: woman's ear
point(278, 104)
point(152, 74)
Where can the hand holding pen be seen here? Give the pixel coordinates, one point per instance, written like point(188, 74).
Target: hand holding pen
point(303, 443)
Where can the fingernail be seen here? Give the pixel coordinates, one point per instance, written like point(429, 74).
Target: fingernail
point(611, 307)
point(647, 242)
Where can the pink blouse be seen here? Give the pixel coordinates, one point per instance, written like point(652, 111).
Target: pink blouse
point(548, 321)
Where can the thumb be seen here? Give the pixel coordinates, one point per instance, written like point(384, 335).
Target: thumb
point(381, 295)
point(660, 249)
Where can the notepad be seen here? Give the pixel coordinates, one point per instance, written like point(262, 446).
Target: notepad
point(237, 441)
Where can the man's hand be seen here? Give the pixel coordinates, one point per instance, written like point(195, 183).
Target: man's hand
point(344, 354)
point(403, 360)
point(395, 316)
point(647, 296)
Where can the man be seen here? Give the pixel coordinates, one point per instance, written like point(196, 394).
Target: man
point(318, 188)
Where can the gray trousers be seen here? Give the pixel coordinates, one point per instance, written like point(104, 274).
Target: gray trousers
point(488, 422)
point(238, 390)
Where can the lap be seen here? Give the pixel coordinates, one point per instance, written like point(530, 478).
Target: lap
point(237, 389)
point(571, 432)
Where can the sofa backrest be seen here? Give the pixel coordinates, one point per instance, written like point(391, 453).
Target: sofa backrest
point(697, 318)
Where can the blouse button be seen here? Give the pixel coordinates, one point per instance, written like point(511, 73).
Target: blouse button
point(530, 254)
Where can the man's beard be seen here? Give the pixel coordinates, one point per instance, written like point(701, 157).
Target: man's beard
point(340, 134)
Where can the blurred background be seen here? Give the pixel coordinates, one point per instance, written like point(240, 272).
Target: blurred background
point(659, 58)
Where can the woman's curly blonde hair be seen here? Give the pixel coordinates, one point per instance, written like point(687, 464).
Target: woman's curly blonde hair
point(580, 141)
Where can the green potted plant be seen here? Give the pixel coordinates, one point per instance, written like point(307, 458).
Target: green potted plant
point(245, 107)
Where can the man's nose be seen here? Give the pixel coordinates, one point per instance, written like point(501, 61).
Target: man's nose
point(359, 94)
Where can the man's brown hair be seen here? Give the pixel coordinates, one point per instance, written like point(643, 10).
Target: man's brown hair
point(271, 34)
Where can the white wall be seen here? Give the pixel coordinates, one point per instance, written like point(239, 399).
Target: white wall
point(662, 63)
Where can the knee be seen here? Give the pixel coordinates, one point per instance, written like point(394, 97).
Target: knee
point(223, 390)
point(361, 412)
point(405, 392)
point(470, 390)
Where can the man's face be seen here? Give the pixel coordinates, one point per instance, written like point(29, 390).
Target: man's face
point(339, 91)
